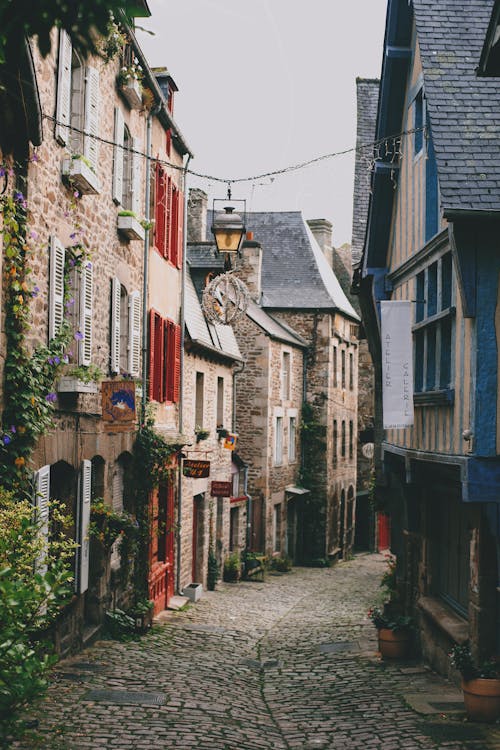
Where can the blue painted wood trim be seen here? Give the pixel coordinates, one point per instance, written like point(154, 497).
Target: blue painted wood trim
point(431, 189)
point(462, 241)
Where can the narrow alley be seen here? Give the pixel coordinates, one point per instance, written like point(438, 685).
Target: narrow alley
point(287, 663)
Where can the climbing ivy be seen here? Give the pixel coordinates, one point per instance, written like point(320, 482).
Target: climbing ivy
point(313, 439)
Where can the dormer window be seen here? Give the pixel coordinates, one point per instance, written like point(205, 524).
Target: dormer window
point(418, 123)
point(489, 65)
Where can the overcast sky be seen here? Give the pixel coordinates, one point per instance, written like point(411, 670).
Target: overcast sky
point(264, 84)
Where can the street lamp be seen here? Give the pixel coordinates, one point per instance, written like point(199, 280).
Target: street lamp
point(228, 227)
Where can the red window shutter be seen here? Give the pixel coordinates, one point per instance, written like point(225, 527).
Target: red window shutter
point(151, 369)
point(177, 363)
point(168, 217)
point(180, 230)
point(160, 210)
point(169, 362)
point(168, 142)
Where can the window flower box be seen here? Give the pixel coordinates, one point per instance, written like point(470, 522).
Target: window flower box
point(131, 89)
point(70, 384)
point(129, 226)
point(81, 175)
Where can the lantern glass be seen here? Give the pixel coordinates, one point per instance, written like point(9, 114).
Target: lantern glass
point(228, 230)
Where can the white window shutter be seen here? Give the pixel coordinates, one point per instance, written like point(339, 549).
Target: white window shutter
point(91, 122)
point(41, 503)
point(86, 292)
point(56, 287)
point(83, 521)
point(137, 202)
point(118, 157)
point(115, 324)
point(134, 334)
point(63, 102)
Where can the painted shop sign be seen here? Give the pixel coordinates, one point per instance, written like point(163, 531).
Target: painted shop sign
point(221, 489)
point(118, 404)
point(195, 469)
point(397, 364)
point(230, 441)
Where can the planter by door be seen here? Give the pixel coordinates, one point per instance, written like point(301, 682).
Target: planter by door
point(394, 644)
point(482, 699)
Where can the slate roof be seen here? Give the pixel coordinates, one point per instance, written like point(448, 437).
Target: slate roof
point(367, 90)
point(295, 273)
point(216, 338)
point(274, 328)
point(464, 109)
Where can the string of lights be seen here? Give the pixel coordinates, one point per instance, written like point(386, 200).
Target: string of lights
point(378, 150)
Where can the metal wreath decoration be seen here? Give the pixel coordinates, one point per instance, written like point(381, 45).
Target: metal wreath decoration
point(225, 299)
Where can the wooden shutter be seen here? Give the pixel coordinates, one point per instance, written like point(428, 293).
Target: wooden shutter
point(168, 217)
point(115, 324)
point(63, 101)
point(91, 122)
point(180, 228)
point(177, 363)
point(83, 521)
point(85, 344)
point(41, 503)
point(134, 334)
point(160, 208)
point(159, 394)
point(174, 226)
point(56, 287)
point(118, 157)
point(137, 204)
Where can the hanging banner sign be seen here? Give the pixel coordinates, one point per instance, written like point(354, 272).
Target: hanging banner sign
point(230, 441)
point(118, 405)
point(196, 469)
point(397, 364)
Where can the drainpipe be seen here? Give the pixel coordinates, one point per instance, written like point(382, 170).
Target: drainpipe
point(181, 384)
point(145, 266)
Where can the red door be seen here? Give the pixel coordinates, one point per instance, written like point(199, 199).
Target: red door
point(161, 547)
point(384, 531)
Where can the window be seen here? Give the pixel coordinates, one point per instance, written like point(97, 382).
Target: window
point(125, 350)
point(351, 438)
point(335, 442)
point(418, 123)
point(220, 402)
point(164, 358)
point(199, 400)
point(434, 327)
point(335, 368)
point(342, 353)
point(285, 376)
point(342, 445)
point(77, 105)
point(292, 438)
point(278, 441)
point(451, 566)
point(169, 217)
point(351, 371)
point(127, 168)
point(277, 528)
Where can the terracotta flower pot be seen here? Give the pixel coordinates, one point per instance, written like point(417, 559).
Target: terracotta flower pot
point(394, 644)
point(482, 698)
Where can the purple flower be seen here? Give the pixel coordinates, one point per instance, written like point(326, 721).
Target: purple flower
point(50, 360)
point(35, 291)
point(51, 397)
point(65, 359)
point(18, 196)
point(71, 262)
point(33, 235)
point(78, 336)
point(13, 428)
point(89, 264)
point(35, 158)
point(76, 194)
point(6, 439)
point(3, 171)
point(57, 360)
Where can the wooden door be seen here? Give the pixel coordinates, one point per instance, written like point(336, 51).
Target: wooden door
point(162, 547)
point(384, 531)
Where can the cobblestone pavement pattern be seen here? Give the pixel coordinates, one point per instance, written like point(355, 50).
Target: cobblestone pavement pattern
point(285, 664)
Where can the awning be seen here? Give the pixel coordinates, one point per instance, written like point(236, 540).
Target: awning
point(292, 490)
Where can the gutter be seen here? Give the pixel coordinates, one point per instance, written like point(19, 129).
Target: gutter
point(181, 384)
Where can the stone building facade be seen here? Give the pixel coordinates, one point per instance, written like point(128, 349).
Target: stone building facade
point(86, 197)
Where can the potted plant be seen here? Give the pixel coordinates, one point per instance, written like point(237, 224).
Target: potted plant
point(201, 433)
point(130, 226)
point(79, 172)
point(394, 631)
point(232, 568)
point(129, 82)
point(480, 683)
point(142, 614)
point(212, 569)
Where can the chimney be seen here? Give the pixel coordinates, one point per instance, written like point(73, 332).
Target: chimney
point(322, 231)
point(249, 266)
point(197, 216)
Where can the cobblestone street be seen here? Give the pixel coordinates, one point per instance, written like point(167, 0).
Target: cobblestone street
point(288, 663)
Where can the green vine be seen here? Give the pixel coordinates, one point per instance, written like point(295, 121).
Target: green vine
point(313, 438)
point(30, 373)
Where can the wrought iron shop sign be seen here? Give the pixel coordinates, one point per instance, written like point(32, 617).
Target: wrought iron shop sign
point(195, 469)
point(118, 404)
point(397, 364)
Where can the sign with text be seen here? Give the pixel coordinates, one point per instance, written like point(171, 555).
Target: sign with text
point(118, 405)
point(221, 489)
point(195, 469)
point(397, 364)
point(230, 441)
